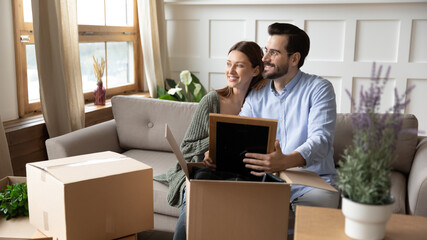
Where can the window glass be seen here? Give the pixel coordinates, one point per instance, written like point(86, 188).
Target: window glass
point(87, 52)
point(90, 12)
point(119, 13)
point(28, 12)
point(32, 75)
point(114, 41)
point(120, 66)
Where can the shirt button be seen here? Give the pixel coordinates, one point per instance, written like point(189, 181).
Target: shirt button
point(150, 125)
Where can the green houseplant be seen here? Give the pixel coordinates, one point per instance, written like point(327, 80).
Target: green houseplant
point(14, 201)
point(364, 175)
point(189, 89)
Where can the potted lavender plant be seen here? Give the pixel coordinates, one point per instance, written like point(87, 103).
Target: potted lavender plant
point(365, 174)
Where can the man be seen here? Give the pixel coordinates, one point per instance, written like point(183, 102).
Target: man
point(305, 108)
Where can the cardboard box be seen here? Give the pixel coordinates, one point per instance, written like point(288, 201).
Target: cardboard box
point(240, 209)
point(96, 196)
point(17, 228)
point(237, 210)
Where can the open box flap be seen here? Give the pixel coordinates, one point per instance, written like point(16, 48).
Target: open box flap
point(186, 166)
point(304, 177)
point(17, 228)
point(175, 148)
point(10, 180)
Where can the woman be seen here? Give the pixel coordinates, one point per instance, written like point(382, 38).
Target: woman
point(244, 73)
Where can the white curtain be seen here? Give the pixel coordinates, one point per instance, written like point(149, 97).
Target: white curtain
point(58, 64)
point(152, 27)
point(5, 164)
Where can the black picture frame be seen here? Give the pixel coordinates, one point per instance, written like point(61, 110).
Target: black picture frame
point(231, 136)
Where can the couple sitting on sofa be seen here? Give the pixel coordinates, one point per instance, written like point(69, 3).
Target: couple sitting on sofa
point(269, 85)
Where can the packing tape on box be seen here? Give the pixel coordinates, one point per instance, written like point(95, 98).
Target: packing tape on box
point(87, 162)
point(43, 176)
point(96, 161)
point(46, 221)
point(110, 226)
point(83, 163)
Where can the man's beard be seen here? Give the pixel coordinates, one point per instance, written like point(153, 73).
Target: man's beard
point(276, 73)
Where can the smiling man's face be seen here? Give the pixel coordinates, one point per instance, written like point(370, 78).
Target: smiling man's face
point(276, 58)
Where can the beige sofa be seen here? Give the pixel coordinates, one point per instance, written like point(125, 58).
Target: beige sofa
point(138, 132)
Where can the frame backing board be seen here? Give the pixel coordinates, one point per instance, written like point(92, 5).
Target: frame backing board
point(230, 137)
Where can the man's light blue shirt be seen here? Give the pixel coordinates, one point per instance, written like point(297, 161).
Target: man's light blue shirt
point(306, 114)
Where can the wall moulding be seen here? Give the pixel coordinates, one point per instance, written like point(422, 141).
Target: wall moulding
point(346, 37)
point(283, 2)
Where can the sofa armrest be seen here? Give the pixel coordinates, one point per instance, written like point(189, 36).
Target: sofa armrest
point(96, 138)
point(417, 181)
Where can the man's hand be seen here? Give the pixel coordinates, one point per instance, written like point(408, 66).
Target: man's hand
point(272, 162)
point(263, 163)
point(209, 162)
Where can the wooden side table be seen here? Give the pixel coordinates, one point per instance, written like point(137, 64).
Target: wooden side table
point(326, 223)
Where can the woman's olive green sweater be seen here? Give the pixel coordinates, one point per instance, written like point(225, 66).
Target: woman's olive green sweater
point(193, 146)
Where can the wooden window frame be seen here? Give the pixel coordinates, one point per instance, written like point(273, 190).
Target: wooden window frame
point(87, 34)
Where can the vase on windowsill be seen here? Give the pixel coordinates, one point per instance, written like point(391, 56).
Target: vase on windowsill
point(99, 94)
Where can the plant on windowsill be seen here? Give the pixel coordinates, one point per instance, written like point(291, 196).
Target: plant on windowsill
point(99, 93)
point(193, 89)
point(365, 174)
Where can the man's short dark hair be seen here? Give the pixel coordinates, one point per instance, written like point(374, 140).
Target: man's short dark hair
point(298, 40)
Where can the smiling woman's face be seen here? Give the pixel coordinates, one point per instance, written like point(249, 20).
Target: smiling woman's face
point(239, 70)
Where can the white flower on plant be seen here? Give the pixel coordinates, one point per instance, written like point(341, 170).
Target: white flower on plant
point(197, 88)
point(172, 91)
point(185, 77)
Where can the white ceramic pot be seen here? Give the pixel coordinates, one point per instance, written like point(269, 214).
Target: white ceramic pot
point(364, 221)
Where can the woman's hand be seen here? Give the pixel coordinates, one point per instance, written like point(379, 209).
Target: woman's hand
point(209, 163)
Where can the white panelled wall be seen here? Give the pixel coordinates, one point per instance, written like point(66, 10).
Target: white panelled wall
point(345, 40)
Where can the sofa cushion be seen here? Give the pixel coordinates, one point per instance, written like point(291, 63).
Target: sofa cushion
point(398, 191)
point(161, 204)
point(160, 162)
point(141, 121)
point(417, 181)
point(96, 138)
point(406, 142)
point(343, 136)
point(163, 226)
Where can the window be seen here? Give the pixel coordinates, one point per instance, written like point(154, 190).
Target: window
point(107, 28)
